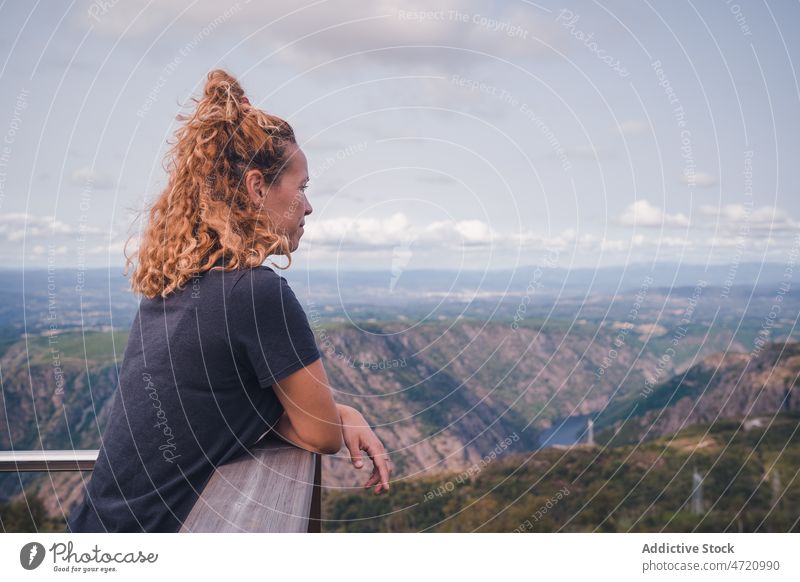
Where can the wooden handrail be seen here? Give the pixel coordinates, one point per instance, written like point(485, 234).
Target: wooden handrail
point(274, 488)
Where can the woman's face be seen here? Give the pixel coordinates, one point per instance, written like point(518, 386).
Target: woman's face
point(285, 202)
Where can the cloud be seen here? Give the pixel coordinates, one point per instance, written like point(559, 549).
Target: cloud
point(730, 218)
point(17, 226)
point(700, 179)
point(46, 236)
point(590, 243)
point(41, 250)
point(642, 213)
point(376, 30)
point(376, 233)
point(373, 236)
point(748, 220)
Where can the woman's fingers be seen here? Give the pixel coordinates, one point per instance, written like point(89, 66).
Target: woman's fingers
point(380, 459)
point(373, 479)
point(355, 454)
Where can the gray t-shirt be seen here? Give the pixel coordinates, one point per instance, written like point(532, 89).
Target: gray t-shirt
point(195, 391)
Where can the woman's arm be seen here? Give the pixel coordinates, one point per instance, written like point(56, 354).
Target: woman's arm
point(311, 418)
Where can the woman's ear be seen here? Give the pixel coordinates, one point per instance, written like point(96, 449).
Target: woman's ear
point(256, 188)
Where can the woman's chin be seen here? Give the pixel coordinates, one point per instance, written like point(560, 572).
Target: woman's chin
point(297, 238)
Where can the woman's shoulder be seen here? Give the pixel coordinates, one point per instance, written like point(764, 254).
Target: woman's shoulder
point(265, 292)
point(259, 281)
point(260, 273)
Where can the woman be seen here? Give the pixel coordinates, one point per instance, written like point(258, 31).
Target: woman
point(220, 352)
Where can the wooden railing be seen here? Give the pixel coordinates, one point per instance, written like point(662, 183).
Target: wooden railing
point(275, 488)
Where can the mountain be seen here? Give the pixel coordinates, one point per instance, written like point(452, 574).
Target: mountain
point(430, 420)
point(748, 477)
point(441, 395)
point(463, 386)
point(727, 385)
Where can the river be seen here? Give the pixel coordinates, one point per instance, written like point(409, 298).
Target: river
point(569, 430)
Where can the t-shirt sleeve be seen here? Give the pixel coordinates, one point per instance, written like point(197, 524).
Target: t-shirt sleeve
point(268, 328)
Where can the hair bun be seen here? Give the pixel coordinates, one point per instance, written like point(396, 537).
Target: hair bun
point(221, 85)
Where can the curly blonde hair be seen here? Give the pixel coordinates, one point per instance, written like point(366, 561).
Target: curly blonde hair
point(205, 212)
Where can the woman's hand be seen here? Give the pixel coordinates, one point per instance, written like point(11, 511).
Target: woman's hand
point(358, 436)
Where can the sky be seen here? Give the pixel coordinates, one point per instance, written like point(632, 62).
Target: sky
point(469, 135)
